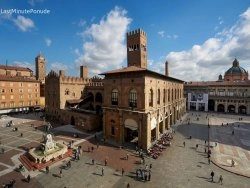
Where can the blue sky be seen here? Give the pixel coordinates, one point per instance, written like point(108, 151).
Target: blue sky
point(199, 38)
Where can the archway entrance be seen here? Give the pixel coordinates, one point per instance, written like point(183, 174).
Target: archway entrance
point(231, 109)
point(153, 129)
point(131, 131)
point(220, 108)
point(242, 109)
point(211, 105)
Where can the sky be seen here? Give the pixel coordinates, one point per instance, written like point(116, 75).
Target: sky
point(199, 38)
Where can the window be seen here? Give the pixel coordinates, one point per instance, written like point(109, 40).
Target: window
point(3, 97)
point(164, 95)
point(2, 90)
point(3, 105)
point(114, 97)
point(12, 90)
point(29, 90)
point(112, 126)
point(67, 92)
point(20, 84)
point(20, 90)
point(12, 104)
point(158, 96)
point(133, 98)
point(11, 96)
point(21, 103)
point(151, 96)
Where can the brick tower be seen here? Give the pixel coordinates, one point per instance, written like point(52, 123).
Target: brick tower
point(40, 67)
point(137, 48)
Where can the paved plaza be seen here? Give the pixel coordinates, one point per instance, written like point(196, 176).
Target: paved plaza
point(178, 166)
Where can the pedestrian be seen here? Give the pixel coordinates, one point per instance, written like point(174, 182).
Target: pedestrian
point(128, 185)
point(28, 178)
point(60, 173)
point(150, 166)
point(93, 161)
point(92, 148)
point(212, 176)
point(127, 156)
point(233, 163)
point(149, 176)
point(220, 179)
point(146, 176)
point(122, 171)
point(95, 137)
point(21, 135)
point(184, 144)
point(105, 162)
point(102, 171)
point(205, 141)
point(233, 132)
point(47, 169)
point(196, 146)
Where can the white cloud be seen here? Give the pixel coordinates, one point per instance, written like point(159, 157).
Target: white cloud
point(161, 33)
point(48, 42)
point(206, 61)
point(24, 24)
point(34, 2)
point(56, 66)
point(104, 48)
point(25, 64)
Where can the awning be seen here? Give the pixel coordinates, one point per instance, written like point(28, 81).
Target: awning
point(131, 124)
point(74, 101)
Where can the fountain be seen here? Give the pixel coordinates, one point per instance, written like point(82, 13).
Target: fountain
point(48, 151)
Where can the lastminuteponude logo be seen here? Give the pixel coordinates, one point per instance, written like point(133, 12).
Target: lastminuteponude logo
point(24, 11)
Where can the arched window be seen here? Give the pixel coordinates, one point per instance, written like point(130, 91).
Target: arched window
point(98, 97)
point(114, 97)
point(151, 96)
point(158, 96)
point(67, 92)
point(164, 95)
point(133, 98)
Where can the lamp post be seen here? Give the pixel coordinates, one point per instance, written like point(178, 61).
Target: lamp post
point(208, 127)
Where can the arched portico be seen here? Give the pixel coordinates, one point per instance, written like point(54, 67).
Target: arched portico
point(131, 130)
point(220, 108)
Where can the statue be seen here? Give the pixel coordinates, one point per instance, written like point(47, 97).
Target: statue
point(49, 143)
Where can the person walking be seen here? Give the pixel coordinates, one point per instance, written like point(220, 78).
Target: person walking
point(60, 173)
point(47, 169)
point(196, 146)
point(184, 144)
point(233, 163)
point(105, 162)
point(220, 179)
point(122, 171)
point(212, 176)
point(102, 171)
point(28, 178)
point(127, 156)
point(93, 161)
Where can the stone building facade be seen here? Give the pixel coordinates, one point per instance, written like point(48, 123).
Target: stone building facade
point(139, 104)
point(74, 100)
point(229, 95)
point(19, 90)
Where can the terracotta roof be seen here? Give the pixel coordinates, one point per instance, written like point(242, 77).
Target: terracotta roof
point(15, 68)
point(125, 69)
point(219, 83)
point(135, 69)
point(17, 78)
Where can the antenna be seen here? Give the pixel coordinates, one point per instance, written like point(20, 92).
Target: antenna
point(6, 62)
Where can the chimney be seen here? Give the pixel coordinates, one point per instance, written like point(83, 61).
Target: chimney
point(166, 69)
point(61, 73)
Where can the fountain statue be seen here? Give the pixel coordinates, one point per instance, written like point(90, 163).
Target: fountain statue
point(48, 151)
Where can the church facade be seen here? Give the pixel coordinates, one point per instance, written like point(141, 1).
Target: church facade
point(228, 95)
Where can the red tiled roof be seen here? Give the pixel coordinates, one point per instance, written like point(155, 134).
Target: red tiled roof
point(219, 83)
point(18, 78)
point(15, 68)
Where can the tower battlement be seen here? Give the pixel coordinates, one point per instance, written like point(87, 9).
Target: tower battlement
point(136, 32)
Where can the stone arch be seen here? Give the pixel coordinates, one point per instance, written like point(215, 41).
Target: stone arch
point(231, 108)
point(131, 124)
point(242, 109)
point(220, 108)
point(98, 97)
